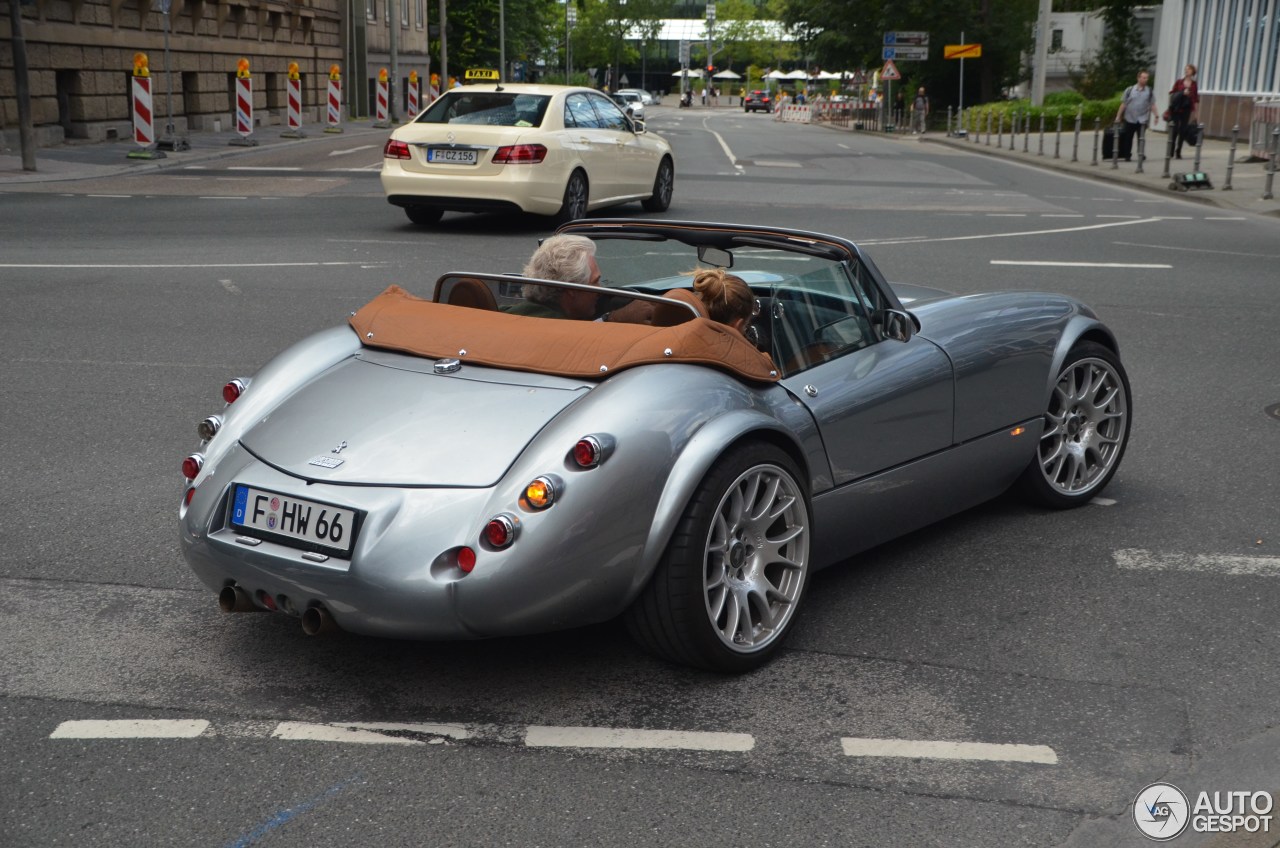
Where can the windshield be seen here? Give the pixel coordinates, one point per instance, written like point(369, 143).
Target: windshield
point(488, 108)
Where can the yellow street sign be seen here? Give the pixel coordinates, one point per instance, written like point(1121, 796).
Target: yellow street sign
point(962, 51)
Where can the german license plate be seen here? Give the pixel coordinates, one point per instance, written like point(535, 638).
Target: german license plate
point(302, 523)
point(453, 156)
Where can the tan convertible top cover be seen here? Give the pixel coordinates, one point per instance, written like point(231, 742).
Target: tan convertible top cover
point(396, 320)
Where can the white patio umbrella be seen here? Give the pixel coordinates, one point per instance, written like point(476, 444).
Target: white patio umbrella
point(726, 75)
point(798, 74)
point(777, 75)
point(693, 72)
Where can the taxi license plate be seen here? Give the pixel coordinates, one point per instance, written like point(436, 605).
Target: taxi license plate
point(453, 156)
point(293, 521)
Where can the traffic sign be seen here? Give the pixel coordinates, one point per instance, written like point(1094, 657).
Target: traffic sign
point(905, 54)
point(962, 51)
point(919, 39)
point(890, 71)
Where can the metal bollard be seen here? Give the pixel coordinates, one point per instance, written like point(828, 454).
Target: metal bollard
point(1075, 143)
point(1231, 156)
point(1271, 169)
point(1142, 146)
point(1000, 131)
point(1168, 152)
point(1041, 153)
point(1026, 133)
point(988, 129)
point(1115, 147)
point(1097, 125)
point(1199, 142)
point(1057, 140)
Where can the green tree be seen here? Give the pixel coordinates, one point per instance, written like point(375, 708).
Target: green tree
point(1121, 56)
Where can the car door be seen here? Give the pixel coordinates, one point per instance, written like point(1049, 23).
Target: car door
point(633, 163)
point(591, 143)
point(878, 402)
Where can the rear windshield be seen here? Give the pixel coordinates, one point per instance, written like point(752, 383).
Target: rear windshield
point(488, 108)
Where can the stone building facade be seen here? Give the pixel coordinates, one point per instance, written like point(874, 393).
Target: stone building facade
point(80, 57)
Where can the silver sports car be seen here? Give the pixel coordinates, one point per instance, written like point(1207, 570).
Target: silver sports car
point(439, 468)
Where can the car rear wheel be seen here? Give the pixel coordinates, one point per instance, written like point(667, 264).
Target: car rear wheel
point(1086, 429)
point(663, 186)
point(576, 195)
point(729, 585)
point(424, 216)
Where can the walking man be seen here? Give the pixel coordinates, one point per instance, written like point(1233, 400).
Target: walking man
point(919, 112)
point(1137, 108)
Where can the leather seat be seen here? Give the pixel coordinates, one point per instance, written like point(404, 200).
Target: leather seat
point(473, 293)
point(668, 315)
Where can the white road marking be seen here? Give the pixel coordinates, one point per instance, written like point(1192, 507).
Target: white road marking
point(1222, 218)
point(1062, 215)
point(1006, 214)
point(1078, 264)
point(113, 196)
point(1122, 216)
point(939, 750)
point(263, 168)
point(453, 731)
point(1196, 249)
point(230, 286)
point(623, 737)
point(130, 729)
point(775, 163)
point(352, 150)
point(1103, 502)
point(363, 733)
point(221, 197)
point(1134, 559)
point(1013, 235)
point(209, 265)
point(845, 146)
point(733, 160)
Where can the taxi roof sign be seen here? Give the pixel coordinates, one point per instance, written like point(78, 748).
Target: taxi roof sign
point(481, 75)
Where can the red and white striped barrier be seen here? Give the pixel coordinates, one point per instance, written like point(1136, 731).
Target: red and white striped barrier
point(144, 129)
point(797, 114)
point(335, 100)
point(411, 96)
point(380, 116)
point(244, 106)
point(293, 93)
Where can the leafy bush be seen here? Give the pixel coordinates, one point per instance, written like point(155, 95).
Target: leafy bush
point(1064, 103)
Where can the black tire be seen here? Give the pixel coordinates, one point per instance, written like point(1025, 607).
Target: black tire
point(424, 216)
point(728, 557)
point(1086, 430)
point(664, 184)
point(576, 197)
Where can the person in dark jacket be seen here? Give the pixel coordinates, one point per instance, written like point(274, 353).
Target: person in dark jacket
point(1184, 110)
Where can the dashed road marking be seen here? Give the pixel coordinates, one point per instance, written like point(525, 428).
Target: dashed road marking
point(130, 729)
point(1078, 264)
point(624, 737)
point(366, 733)
point(1134, 559)
point(941, 750)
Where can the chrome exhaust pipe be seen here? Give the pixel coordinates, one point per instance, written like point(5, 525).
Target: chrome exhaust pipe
point(235, 599)
point(317, 621)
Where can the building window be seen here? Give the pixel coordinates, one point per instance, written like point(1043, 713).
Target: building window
point(422, 13)
point(404, 13)
point(371, 11)
point(1055, 40)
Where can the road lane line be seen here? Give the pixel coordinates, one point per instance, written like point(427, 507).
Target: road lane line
point(940, 750)
point(211, 265)
point(923, 240)
point(130, 729)
point(1078, 264)
point(352, 150)
point(537, 736)
point(302, 731)
point(1136, 559)
point(264, 168)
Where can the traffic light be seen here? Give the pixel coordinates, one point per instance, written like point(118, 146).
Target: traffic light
point(711, 69)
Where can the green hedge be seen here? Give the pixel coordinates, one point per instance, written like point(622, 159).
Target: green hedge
point(1064, 103)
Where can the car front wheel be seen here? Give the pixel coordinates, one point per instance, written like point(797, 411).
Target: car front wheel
point(576, 194)
point(729, 585)
point(663, 186)
point(1086, 428)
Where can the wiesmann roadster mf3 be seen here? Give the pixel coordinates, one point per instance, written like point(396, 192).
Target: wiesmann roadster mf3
point(440, 468)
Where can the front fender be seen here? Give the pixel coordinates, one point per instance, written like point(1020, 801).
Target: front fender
point(1083, 325)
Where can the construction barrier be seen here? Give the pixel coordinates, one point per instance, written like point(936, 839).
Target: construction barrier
point(411, 95)
point(335, 100)
point(293, 94)
point(797, 114)
point(380, 115)
point(1266, 118)
point(244, 105)
point(144, 129)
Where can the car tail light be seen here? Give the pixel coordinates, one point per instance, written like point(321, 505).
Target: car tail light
point(191, 466)
point(396, 150)
point(520, 154)
point(209, 427)
point(232, 390)
point(466, 560)
point(542, 492)
point(592, 450)
point(500, 532)
point(190, 493)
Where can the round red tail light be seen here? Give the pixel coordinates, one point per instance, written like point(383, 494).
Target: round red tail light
point(588, 452)
point(466, 560)
point(232, 390)
point(186, 499)
point(191, 466)
point(500, 532)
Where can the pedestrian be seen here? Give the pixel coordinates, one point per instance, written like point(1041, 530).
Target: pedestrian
point(919, 112)
point(1184, 110)
point(899, 109)
point(1137, 108)
point(742, 97)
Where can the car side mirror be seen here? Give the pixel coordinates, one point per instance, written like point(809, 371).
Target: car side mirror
point(897, 324)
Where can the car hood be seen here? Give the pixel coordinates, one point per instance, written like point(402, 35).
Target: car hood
point(383, 419)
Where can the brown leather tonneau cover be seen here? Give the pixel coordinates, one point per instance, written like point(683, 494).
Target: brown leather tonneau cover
point(399, 321)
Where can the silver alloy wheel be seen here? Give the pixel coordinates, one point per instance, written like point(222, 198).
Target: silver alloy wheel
point(1085, 426)
point(757, 557)
point(666, 184)
point(575, 197)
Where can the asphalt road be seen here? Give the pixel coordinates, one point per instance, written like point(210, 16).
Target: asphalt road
point(1092, 652)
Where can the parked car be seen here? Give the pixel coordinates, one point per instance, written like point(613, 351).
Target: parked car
point(436, 468)
point(631, 103)
point(757, 101)
point(545, 149)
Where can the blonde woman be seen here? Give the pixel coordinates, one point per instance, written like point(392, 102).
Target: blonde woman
point(728, 299)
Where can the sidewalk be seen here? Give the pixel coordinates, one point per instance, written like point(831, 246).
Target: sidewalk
point(1248, 178)
point(89, 160)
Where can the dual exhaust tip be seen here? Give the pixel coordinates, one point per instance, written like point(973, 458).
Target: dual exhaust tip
point(316, 620)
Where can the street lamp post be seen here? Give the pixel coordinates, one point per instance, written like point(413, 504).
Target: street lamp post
point(170, 140)
point(570, 19)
